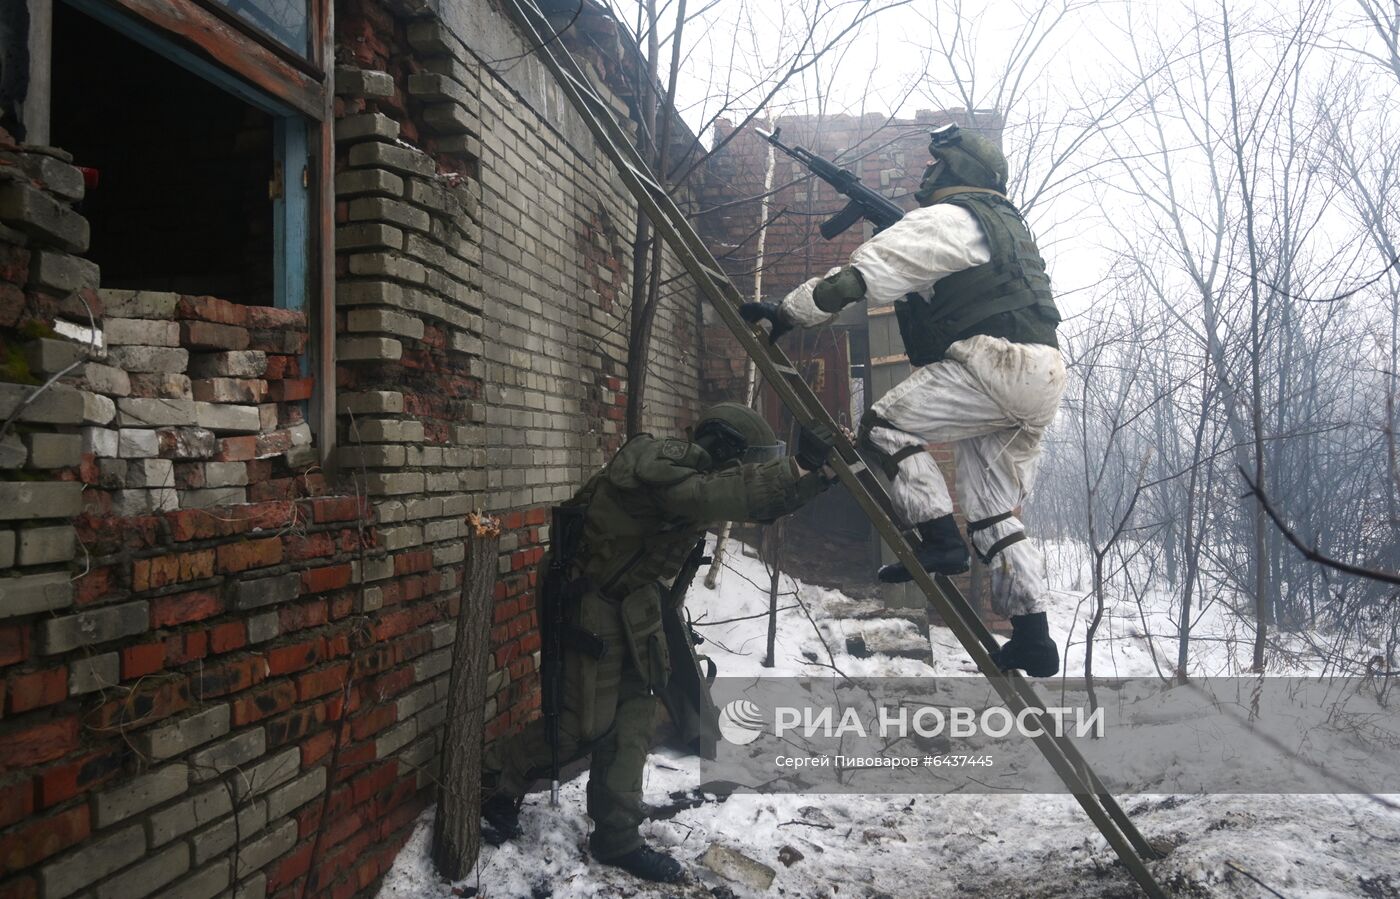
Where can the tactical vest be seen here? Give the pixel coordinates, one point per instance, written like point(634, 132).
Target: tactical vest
point(627, 542)
point(1009, 296)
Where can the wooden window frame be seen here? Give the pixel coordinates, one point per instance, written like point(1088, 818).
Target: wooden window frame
point(298, 92)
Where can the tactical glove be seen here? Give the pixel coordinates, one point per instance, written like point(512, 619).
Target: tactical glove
point(772, 313)
point(840, 288)
point(814, 446)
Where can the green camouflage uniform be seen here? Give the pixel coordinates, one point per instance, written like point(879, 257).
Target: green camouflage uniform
point(646, 510)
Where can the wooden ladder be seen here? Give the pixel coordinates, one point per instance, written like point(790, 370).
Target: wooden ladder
point(957, 614)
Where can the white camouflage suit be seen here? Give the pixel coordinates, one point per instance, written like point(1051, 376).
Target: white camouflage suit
point(990, 398)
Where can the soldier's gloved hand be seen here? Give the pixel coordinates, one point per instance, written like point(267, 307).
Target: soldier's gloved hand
point(814, 446)
point(779, 320)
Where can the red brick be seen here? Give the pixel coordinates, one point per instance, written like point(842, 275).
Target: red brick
point(16, 802)
point(317, 747)
point(276, 489)
point(257, 705)
point(182, 608)
point(291, 866)
point(310, 546)
point(296, 657)
point(294, 725)
point(352, 760)
point(198, 524)
point(35, 689)
point(37, 743)
point(228, 637)
point(372, 721)
point(173, 568)
point(320, 580)
point(413, 562)
point(280, 366)
point(272, 443)
point(148, 702)
point(273, 317)
point(62, 782)
point(249, 554)
point(290, 390)
point(336, 645)
point(374, 659)
point(319, 683)
point(182, 649)
point(371, 782)
point(14, 644)
point(237, 449)
point(233, 676)
point(97, 583)
point(412, 646)
point(35, 841)
point(302, 615)
point(213, 336)
point(335, 508)
point(211, 309)
point(391, 684)
point(141, 660)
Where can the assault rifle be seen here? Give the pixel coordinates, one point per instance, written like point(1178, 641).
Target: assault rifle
point(864, 202)
point(560, 591)
point(687, 691)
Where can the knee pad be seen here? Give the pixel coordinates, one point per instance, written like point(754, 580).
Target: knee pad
point(982, 524)
point(889, 462)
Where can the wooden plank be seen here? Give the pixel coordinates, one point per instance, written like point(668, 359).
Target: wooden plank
point(211, 47)
point(290, 215)
point(38, 100)
point(323, 244)
point(889, 360)
point(874, 311)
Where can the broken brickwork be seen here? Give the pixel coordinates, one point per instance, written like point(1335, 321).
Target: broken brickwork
point(223, 660)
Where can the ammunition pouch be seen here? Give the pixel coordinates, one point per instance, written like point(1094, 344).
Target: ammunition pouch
point(926, 339)
point(641, 627)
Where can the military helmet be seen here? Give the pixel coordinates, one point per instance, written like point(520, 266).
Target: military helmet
point(732, 432)
point(962, 159)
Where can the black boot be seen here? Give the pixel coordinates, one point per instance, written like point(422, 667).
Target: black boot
point(501, 815)
point(941, 550)
point(1030, 648)
point(648, 864)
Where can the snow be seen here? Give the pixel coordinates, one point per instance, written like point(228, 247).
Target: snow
point(953, 845)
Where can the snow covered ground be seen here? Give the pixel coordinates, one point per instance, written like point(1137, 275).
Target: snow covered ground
point(957, 845)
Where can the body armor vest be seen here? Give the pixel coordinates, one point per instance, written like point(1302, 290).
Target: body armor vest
point(1009, 296)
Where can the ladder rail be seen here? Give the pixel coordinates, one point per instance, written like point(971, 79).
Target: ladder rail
point(1018, 694)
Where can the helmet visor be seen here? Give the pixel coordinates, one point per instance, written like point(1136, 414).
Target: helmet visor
point(768, 453)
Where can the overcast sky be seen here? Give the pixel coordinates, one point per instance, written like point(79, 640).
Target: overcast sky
point(1081, 65)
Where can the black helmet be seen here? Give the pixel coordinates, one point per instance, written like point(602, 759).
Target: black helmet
point(732, 432)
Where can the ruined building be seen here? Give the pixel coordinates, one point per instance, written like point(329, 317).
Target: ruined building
point(286, 290)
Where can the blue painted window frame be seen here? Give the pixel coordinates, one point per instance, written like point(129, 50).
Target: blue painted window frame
point(291, 226)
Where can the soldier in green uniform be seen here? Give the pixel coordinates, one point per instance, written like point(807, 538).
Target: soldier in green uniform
point(643, 514)
point(978, 321)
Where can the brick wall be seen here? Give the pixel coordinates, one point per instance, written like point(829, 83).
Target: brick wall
point(220, 665)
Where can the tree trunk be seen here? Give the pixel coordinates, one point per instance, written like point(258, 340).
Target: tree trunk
point(457, 830)
point(773, 555)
